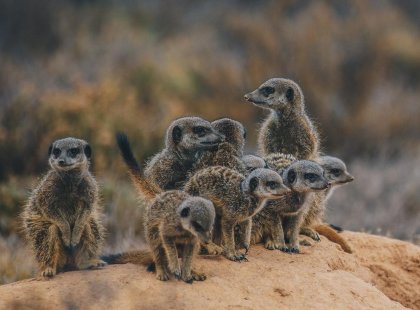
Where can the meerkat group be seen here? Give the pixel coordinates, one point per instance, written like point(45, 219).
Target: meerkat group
point(202, 193)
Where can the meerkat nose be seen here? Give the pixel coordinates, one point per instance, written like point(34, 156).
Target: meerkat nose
point(246, 97)
point(61, 162)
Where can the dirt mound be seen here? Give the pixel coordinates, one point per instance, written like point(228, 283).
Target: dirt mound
point(382, 274)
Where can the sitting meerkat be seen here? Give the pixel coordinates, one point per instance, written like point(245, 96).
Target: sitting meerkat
point(253, 162)
point(61, 217)
point(281, 219)
point(335, 171)
point(175, 224)
point(287, 129)
point(186, 139)
point(236, 199)
point(228, 153)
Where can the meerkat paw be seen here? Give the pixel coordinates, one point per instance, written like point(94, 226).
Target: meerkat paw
point(293, 249)
point(236, 258)
point(162, 276)
point(48, 272)
point(198, 276)
point(310, 233)
point(177, 274)
point(305, 242)
point(92, 264)
point(270, 245)
point(211, 249)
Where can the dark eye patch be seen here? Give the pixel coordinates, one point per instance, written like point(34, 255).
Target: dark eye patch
point(266, 91)
point(291, 176)
point(290, 94)
point(56, 152)
point(199, 130)
point(312, 177)
point(335, 172)
point(271, 184)
point(73, 152)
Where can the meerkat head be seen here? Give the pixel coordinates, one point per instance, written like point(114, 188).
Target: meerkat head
point(197, 216)
point(233, 131)
point(253, 162)
point(335, 170)
point(187, 135)
point(304, 176)
point(69, 154)
point(277, 94)
point(264, 183)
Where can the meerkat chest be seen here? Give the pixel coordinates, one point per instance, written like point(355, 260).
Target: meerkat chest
point(71, 197)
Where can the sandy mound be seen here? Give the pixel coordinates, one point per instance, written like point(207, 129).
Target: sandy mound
point(383, 274)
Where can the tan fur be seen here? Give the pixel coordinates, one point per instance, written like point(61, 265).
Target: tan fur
point(287, 129)
point(333, 236)
point(61, 218)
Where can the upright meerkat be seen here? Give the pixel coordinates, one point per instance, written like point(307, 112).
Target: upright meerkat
point(61, 218)
point(228, 153)
point(336, 172)
point(186, 139)
point(280, 220)
point(174, 220)
point(287, 129)
point(236, 199)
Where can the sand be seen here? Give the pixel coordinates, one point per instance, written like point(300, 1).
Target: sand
point(383, 273)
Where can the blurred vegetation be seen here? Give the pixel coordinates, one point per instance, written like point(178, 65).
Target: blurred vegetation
point(88, 68)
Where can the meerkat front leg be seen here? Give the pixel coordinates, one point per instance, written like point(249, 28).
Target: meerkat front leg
point(306, 231)
point(275, 238)
point(79, 225)
point(292, 226)
point(87, 252)
point(172, 256)
point(246, 228)
point(187, 256)
point(50, 251)
point(158, 253)
point(228, 240)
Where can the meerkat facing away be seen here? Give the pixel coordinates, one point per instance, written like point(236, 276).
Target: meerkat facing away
point(236, 199)
point(186, 139)
point(287, 129)
point(336, 172)
point(228, 153)
point(174, 220)
point(281, 219)
point(61, 218)
point(252, 162)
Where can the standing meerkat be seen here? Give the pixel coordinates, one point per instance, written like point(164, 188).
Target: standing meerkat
point(186, 139)
point(287, 129)
point(174, 221)
point(228, 153)
point(61, 218)
point(236, 199)
point(336, 172)
point(280, 220)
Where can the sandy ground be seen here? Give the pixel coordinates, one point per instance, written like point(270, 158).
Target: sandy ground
point(382, 274)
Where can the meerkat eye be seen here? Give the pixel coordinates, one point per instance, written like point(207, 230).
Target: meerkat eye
point(56, 152)
point(291, 176)
point(267, 91)
point(272, 184)
point(199, 130)
point(73, 152)
point(335, 172)
point(312, 177)
point(290, 94)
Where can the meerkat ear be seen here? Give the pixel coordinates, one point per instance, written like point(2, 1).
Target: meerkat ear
point(291, 176)
point(290, 94)
point(176, 134)
point(253, 184)
point(88, 151)
point(185, 212)
point(50, 149)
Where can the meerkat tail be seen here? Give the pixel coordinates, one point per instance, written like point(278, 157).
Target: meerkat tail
point(148, 189)
point(332, 235)
point(337, 228)
point(134, 257)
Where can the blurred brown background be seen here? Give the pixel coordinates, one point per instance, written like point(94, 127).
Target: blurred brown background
point(88, 68)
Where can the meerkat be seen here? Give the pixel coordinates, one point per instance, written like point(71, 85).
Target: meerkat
point(174, 220)
point(287, 129)
point(186, 139)
point(336, 172)
point(228, 153)
point(252, 162)
point(236, 199)
point(61, 218)
point(280, 220)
